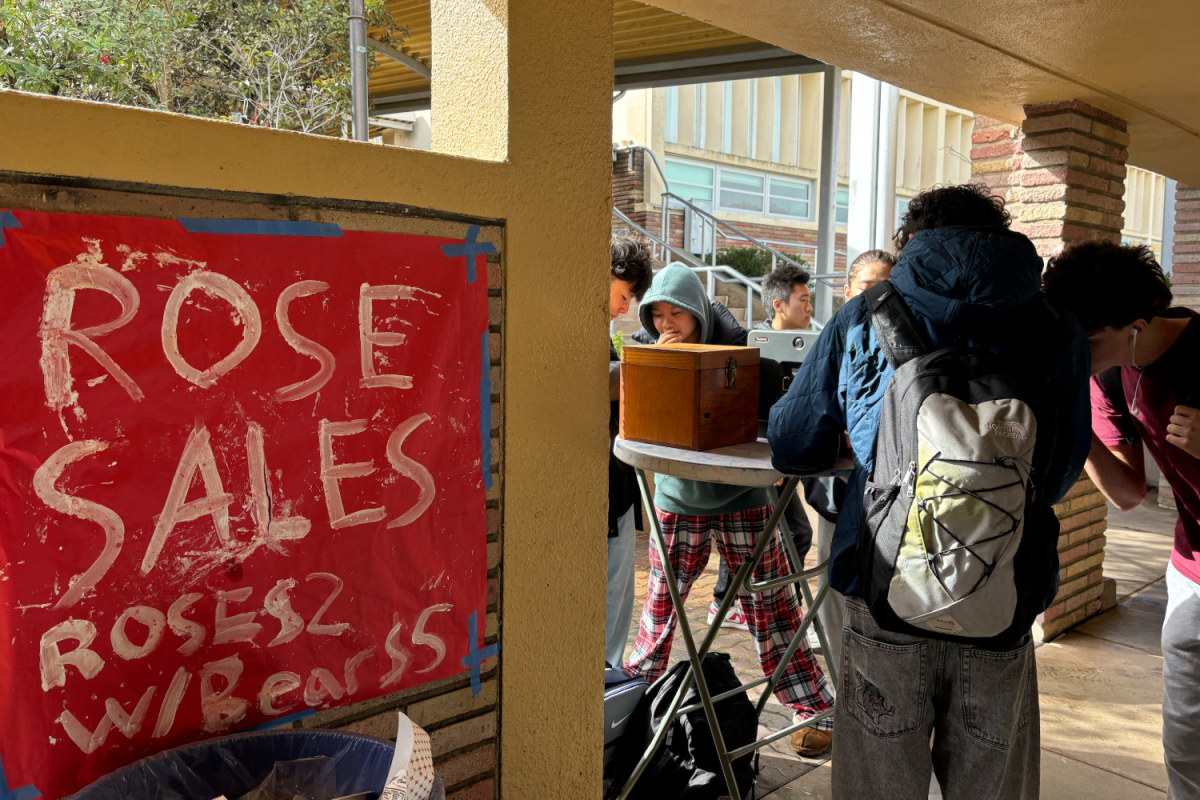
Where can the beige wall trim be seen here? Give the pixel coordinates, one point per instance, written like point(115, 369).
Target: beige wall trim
point(275, 200)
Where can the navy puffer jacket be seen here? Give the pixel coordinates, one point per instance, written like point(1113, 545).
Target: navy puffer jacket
point(965, 285)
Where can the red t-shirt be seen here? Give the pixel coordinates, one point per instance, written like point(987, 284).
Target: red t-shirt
point(1173, 380)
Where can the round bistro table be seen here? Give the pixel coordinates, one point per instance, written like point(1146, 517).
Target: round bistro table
point(746, 464)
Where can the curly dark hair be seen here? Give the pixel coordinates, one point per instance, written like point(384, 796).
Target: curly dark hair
point(1107, 285)
point(631, 261)
point(779, 285)
point(943, 206)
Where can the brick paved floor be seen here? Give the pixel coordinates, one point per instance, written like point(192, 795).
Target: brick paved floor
point(779, 765)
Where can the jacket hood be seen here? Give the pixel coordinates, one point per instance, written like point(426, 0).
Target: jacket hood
point(680, 287)
point(726, 329)
point(955, 274)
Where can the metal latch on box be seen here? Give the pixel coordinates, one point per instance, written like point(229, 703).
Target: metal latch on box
point(731, 373)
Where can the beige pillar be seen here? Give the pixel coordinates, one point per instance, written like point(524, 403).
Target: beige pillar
point(470, 85)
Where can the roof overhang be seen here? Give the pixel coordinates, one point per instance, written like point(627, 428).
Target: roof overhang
point(1137, 60)
point(672, 69)
point(651, 47)
point(706, 66)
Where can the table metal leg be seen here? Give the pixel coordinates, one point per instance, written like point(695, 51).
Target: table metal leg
point(775, 526)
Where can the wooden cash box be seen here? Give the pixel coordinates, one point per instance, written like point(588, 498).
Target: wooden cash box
point(691, 396)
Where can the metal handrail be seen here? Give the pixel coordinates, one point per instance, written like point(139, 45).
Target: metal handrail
point(729, 274)
point(715, 222)
point(688, 258)
point(665, 214)
point(764, 244)
point(726, 273)
point(631, 147)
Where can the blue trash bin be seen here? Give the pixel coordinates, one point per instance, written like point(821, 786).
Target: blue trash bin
point(233, 765)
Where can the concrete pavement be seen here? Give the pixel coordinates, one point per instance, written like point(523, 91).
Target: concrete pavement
point(1100, 685)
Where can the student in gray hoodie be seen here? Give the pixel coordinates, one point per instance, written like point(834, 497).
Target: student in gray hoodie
point(676, 310)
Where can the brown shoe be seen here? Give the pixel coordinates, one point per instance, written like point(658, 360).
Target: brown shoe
point(808, 742)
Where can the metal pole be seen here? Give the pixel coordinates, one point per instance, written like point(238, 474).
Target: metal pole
point(885, 207)
point(666, 218)
point(831, 115)
point(1166, 261)
point(358, 69)
point(865, 131)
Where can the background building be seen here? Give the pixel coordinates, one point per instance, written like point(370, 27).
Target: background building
point(748, 151)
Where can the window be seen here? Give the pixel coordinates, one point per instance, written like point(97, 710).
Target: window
point(901, 209)
point(753, 132)
point(740, 191)
point(842, 207)
point(790, 198)
point(777, 97)
point(727, 117)
point(671, 114)
point(692, 182)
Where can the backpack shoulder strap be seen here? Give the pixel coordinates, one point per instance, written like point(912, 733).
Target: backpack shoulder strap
point(899, 334)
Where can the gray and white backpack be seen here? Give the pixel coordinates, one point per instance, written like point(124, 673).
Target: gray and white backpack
point(955, 541)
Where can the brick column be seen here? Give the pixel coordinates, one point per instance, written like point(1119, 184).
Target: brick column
point(1072, 176)
point(1062, 176)
point(996, 157)
point(1185, 255)
point(1185, 276)
point(629, 184)
point(1083, 591)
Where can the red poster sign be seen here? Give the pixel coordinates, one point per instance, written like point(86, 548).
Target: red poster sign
point(242, 476)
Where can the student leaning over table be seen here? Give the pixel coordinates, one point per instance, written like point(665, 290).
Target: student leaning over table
point(676, 310)
point(631, 275)
point(1146, 359)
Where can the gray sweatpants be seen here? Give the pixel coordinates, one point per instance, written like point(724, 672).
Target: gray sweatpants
point(831, 612)
point(896, 690)
point(1181, 679)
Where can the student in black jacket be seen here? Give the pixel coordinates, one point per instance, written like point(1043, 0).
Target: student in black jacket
point(631, 276)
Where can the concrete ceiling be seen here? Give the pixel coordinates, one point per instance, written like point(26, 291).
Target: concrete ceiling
point(1138, 60)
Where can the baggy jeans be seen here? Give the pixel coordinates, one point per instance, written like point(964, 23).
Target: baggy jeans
point(1181, 680)
point(896, 690)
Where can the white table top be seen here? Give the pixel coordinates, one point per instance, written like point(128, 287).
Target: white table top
point(741, 465)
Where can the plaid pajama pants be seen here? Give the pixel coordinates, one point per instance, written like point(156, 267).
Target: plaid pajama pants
point(773, 617)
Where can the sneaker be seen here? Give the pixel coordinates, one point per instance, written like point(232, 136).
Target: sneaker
point(811, 743)
point(734, 619)
point(813, 641)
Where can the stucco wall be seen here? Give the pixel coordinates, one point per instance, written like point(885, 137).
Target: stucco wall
point(553, 191)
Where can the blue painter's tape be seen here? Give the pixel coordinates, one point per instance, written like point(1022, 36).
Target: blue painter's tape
point(257, 227)
point(475, 656)
point(7, 220)
point(26, 792)
point(471, 249)
point(485, 410)
point(275, 723)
